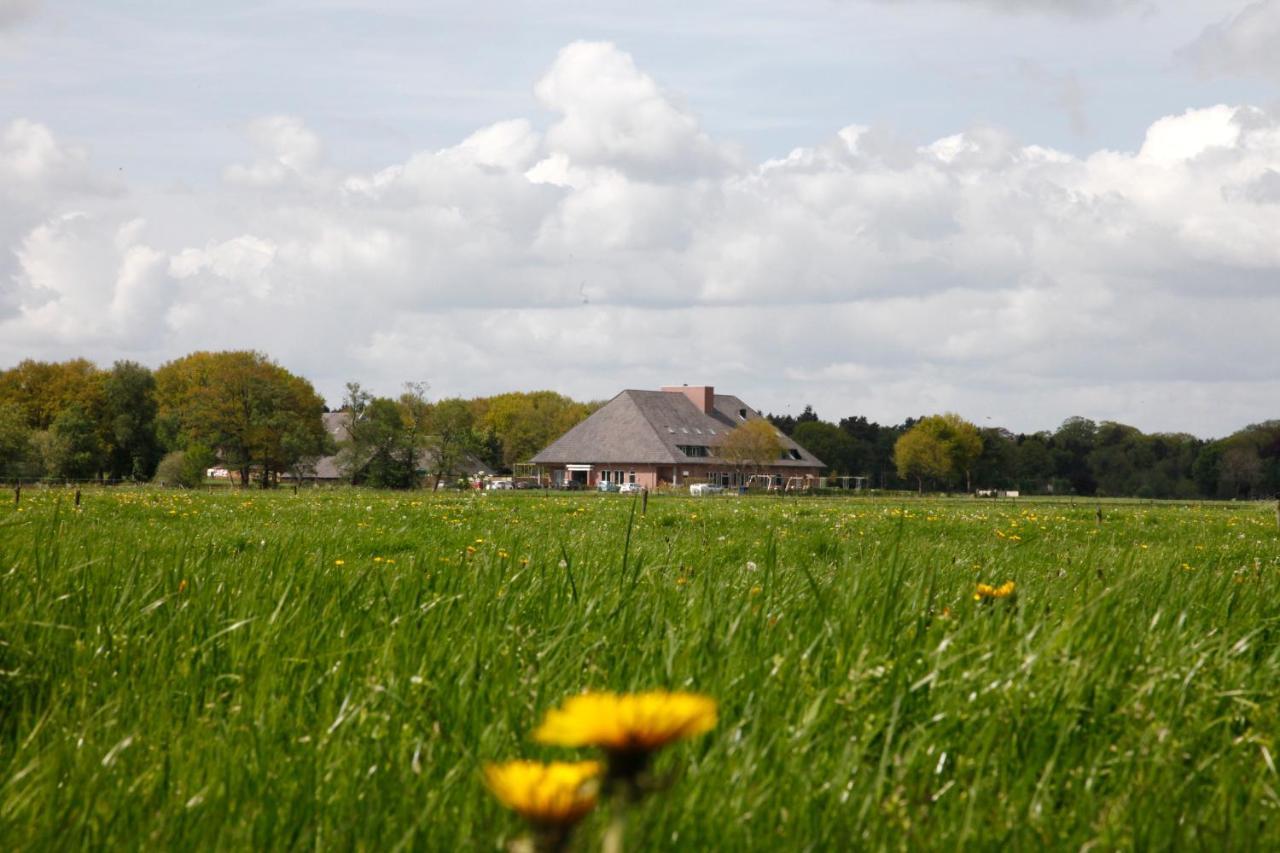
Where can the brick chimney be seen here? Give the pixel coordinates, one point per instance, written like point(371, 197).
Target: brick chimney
point(702, 396)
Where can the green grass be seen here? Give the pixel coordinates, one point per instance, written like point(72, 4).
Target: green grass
point(329, 670)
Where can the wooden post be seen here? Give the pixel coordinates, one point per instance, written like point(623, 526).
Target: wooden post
point(1099, 515)
point(77, 497)
point(17, 494)
point(644, 503)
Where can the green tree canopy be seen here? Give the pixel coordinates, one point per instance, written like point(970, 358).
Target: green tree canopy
point(921, 452)
point(249, 409)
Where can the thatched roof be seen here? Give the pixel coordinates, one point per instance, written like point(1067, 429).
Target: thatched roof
point(649, 427)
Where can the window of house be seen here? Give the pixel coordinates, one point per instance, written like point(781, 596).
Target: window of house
point(742, 413)
point(631, 476)
point(694, 450)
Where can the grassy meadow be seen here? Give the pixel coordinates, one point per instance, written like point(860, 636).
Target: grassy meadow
point(330, 670)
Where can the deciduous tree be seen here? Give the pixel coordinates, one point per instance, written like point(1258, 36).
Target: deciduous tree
point(249, 409)
point(922, 452)
point(752, 445)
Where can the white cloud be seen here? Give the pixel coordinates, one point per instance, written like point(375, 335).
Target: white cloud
point(288, 152)
point(863, 273)
point(614, 115)
point(1244, 45)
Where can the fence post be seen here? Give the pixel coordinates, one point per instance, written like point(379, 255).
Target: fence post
point(644, 503)
point(17, 493)
point(77, 497)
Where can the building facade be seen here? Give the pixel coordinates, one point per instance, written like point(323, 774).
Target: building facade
point(668, 437)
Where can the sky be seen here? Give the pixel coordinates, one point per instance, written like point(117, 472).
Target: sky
point(1017, 210)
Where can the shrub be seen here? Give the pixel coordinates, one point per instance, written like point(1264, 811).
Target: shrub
point(183, 468)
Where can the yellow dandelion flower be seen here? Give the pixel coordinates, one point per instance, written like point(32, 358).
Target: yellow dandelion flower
point(985, 591)
point(339, 562)
point(628, 722)
point(555, 794)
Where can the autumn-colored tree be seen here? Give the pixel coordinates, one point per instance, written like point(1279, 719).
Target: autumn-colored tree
point(45, 389)
point(752, 445)
point(249, 409)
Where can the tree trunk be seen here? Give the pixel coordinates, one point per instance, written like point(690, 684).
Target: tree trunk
point(244, 475)
point(920, 485)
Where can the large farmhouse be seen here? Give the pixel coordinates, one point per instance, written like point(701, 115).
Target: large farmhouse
point(667, 437)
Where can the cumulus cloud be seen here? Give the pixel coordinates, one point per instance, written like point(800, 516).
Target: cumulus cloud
point(863, 272)
point(1243, 45)
point(287, 153)
point(612, 114)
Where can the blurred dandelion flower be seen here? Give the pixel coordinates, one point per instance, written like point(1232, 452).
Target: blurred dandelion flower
point(986, 591)
point(628, 722)
point(558, 794)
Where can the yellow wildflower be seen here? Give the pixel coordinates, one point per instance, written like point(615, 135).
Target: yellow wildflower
point(555, 794)
point(339, 562)
point(987, 591)
point(628, 722)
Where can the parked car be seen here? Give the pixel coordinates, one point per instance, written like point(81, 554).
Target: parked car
point(571, 485)
point(527, 484)
point(495, 485)
point(700, 489)
point(606, 486)
point(628, 488)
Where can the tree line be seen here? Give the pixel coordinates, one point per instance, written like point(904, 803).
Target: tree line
point(72, 420)
point(1080, 457)
point(239, 409)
